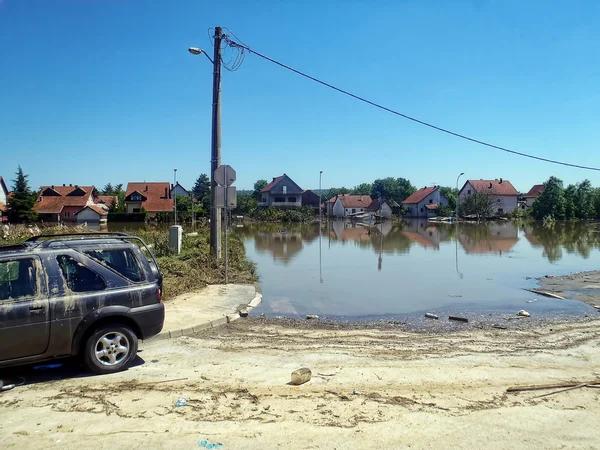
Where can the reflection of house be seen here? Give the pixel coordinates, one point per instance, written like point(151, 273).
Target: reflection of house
point(424, 202)
point(281, 244)
point(533, 193)
point(489, 238)
point(3, 199)
point(179, 190)
point(62, 203)
point(425, 235)
point(503, 193)
point(348, 204)
point(282, 191)
point(153, 197)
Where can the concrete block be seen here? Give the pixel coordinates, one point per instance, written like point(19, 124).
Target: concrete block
point(201, 327)
point(218, 322)
point(175, 333)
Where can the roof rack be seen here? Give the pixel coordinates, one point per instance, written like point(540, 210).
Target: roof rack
point(81, 236)
point(8, 247)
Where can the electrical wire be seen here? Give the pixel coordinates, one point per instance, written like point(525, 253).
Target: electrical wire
point(377, 105)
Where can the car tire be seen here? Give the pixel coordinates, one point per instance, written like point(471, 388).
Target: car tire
point(111, 348)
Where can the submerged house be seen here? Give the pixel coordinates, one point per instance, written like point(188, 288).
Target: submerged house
point(504, 195)
point(344, 205)
point(282, 191)
point(424, 203)
point(62, 203)
point(533, 193)
point(152, 197)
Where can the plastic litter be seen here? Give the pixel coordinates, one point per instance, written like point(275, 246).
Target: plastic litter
point(181, 402)
point(301, 376)
point(523, 313)
point(431, 316)
point(458, 319)
point(207, 444)
point(312, 317)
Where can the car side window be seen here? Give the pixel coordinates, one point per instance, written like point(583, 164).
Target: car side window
point(18, 279)
point(78, 277)
point(123, 261)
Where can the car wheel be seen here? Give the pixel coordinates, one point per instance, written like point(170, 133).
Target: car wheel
point(110, 349)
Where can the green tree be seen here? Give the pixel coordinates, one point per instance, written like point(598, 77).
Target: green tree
point(584, 200)
point(247, 205)
point(397, 189)
point(570, 194)
point(21, 202)
point(477, 204)
point(451, 194)
point(201, 191)
point(258, 187)
point(362, 189)
point(107, 189)
point(551, 202)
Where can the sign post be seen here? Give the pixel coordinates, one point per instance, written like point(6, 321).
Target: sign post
point(225, 176)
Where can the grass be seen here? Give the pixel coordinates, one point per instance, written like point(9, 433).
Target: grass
point(189, 271)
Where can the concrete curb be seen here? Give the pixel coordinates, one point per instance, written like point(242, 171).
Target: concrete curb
point(256, 301)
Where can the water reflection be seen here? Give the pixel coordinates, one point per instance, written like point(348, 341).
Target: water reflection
point(494, 237)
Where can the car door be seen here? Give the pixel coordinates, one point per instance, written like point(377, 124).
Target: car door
point(24, 309)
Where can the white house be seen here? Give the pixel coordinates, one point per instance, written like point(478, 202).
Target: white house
point(425, 202)
point(178, 190)
point(347, 204)
point(533, 193)
point(92, 214)
point(504, 195)
point(382, 209)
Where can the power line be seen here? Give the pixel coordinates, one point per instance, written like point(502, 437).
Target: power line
point(377, 105)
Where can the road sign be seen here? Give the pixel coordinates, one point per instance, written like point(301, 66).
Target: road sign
point(225, 175)
point(228, 203)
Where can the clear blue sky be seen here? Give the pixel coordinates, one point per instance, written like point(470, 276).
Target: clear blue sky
point(97, 91)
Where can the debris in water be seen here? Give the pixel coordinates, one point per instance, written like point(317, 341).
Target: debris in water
point(312, 317)
point(431, 316)
point(500, 327)
point(532, 300)
point(523, 313)
point(458, 319)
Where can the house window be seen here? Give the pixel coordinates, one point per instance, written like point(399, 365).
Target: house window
point(136, 210)
point(285, 189)
point(264, 200)
point(136, 197)
point(67, 213)
point(291, 199)
point(353, 210)
point(430, 201)
point(421, 209)
point(279, 199)
point(469, 192)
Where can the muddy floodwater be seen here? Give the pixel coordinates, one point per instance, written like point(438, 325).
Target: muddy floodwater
point(351, 271)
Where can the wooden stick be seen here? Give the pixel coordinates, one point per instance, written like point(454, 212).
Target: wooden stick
point(536, 387)
point(562, 390)
point(546, 294)
point(168, 381)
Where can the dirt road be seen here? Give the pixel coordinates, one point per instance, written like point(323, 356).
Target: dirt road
point(370, 389)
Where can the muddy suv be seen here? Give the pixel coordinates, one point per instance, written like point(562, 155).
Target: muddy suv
point(89, 294)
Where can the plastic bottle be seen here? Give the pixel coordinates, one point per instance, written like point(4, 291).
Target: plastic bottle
point(182, 401)
point(301, 376)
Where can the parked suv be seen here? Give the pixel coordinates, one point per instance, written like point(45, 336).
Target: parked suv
point(87, 294)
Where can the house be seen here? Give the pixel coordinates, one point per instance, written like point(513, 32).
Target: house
point(382, 209)
point(309, 198)
point(282, 191)
point(153, 197)
point(61, 203)
point(92, 214)
point(345, 205)
point(178, 189)
point(425, 202)
point(533, 193)
point(3, 200)
point(504, 195)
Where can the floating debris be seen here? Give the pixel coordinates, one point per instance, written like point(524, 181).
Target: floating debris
point(458, 319)
point(523, 313)
point(431, 316)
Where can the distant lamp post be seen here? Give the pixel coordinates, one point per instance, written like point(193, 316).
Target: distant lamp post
point(320, 200)
point(175, 192)
point(457, 195)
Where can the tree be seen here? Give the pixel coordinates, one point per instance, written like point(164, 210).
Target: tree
point(107, 189)
point(397, 189)
point(246, 205)
point(362, 189)
point(451, 194)
point(551, 202)
point(570, 209)
point(258, 187)
point(477, 204)
point(201, 191)
point(585, 200)
point(21, 202)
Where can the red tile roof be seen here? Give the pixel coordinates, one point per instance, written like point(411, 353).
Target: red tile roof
point(420, 195)
point(432, 206)
point(495, 187)
point(535, 191)
point(53, 204)
point(154, 193)
point(355, 201)
point(108, 199)
point(269, 186)
point(95, 208)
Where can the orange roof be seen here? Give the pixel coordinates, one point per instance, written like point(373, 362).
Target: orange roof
point(535, 191)
point(54, 203)
point(95, 208)
point(420, 195)
point(495, 187)
point(355, 201)
point(432, 206)
point(156, 193)
point(108, 199)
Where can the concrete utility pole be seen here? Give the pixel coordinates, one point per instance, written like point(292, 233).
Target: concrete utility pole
point(175, 193)
point(457, 196)
point(215, 159)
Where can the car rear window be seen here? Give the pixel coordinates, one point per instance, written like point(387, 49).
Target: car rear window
point(123, 261)
point(17, 279)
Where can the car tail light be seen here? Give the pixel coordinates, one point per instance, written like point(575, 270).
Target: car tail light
point(160, 295)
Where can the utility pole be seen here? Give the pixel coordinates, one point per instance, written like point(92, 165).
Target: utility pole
point(175, 193)
point(215, 159)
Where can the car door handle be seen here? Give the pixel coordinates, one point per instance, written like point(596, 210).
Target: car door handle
point(36, 308)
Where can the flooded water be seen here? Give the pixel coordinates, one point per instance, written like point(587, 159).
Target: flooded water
point(350, 271)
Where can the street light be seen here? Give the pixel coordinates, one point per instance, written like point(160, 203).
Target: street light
point(320, 200)
point(175, 192)
point(199, 51)
point(457, 196)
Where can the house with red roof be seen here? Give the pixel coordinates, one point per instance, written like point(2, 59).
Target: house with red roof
point(281, 191)
point(503, 193)
point(153, 197)
point(62, 203)
point(424, 202)
point(533, 193)
point(3, 200)
point(344, 205)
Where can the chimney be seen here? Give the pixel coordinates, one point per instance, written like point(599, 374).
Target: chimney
point(500, 180)
point(166, 194)
point(76, 186)
point(52, 186)
point(70, 185)
point(146, 190)
point(273, 178)
point(490, 185)
point(64, 184)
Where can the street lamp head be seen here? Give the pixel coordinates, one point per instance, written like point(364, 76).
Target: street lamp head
point(195, 50)
point(461, 174)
